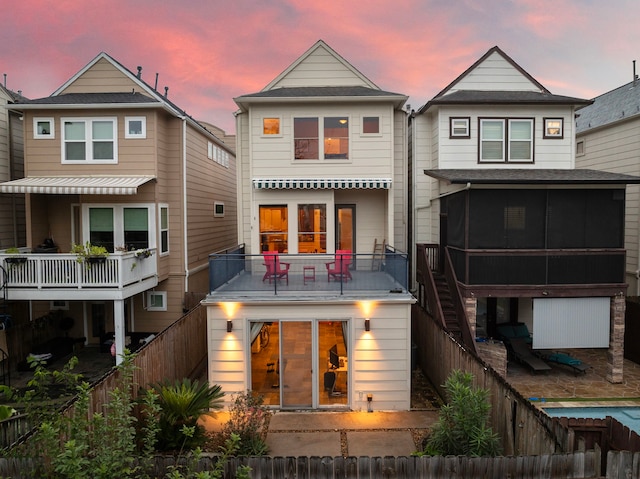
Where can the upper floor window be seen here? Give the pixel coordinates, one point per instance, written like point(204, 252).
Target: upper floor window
point(336, 138)
point(89, 140)
point(506, 140)
point(271, 126)
point(459, 127)
point(132, 227)
point(553, 128)
point(135, 127)
point(43, 128)
point(164, 229)
point(370, 125)
point(580, 147)
point(217, 154)
point(307, 134)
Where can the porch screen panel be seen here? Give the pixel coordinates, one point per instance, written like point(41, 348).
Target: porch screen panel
point(101, 227)
point(454, 206)
point(486, 219)
point(570, 323)
point(566, 219)
point(605, 218)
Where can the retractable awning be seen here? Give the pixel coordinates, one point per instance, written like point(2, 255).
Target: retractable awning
point(76, 185)
point(321, 183)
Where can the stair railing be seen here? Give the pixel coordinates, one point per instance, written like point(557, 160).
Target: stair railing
point(428, 295)
point(461, 313)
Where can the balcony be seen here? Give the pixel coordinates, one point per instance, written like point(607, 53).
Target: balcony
point(34, 276)
point(235, 274)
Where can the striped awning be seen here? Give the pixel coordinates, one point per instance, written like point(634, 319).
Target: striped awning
point(76, 185)
point(321, 183)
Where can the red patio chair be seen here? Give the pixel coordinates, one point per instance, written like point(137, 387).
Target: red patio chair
point(275, 268)
point(339, 268)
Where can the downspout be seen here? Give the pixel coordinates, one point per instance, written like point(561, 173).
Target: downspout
point(453, 192)
point(184, 204)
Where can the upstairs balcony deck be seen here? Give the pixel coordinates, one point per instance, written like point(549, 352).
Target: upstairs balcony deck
point(62, 276)
point(233, 274)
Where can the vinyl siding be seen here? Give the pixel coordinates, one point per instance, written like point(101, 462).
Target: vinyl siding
point(103, 77)
point(615, 148)
point(379, 361)
point(495, 74)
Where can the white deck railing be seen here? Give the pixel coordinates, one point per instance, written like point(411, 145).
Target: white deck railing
point(65, 270)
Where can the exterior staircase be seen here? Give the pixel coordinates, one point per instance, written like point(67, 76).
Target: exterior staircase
point(448, 307)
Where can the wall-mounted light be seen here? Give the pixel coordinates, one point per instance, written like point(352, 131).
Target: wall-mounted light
point(229, 325)
point(367, 324)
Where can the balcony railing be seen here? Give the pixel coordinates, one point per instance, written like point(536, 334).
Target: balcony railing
point(234, 272)
point(65, 271)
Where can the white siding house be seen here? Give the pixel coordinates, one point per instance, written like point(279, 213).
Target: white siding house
point(530, 238)
point(322, 163)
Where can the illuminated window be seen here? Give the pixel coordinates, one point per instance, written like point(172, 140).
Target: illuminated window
point(553, 128)
point(271, 126)
point(274, 228)
point(336, 138)
point(459, 128)
point(312, 228)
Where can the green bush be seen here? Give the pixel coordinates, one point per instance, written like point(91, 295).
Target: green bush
point(462, 428)
point(249, 419)
point(181, 404)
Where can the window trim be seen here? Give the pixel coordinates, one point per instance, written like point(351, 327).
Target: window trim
point(467, 120)
point(52, 128)
point(162, 294)
point(578, 143)
point(363, 133)
point(118, 221)
point(271, 135)
point(127, 133)
point(506, 140)
point(88, 122)
point(321, 138)
point(161, 251)
point(545, 132)
point(217, 212)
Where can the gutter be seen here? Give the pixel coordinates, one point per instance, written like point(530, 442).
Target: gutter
point(453, 192)
point(184, 204)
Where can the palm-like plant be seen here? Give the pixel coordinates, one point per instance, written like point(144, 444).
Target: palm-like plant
point(182, 403)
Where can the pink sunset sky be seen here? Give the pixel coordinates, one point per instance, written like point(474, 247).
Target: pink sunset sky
point(209, 51)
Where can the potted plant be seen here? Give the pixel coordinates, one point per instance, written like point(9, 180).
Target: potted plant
point(90, 254)
point(15, 259)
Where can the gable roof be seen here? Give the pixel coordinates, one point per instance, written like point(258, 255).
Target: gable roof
point(150, 98)
point(320, 47)
point(535, 94)
point(299, 82)
point(619, 104)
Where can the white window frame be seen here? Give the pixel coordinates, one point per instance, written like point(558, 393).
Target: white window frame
point(162, 207)
point(580, 147)
point(321, 139)
point(149, 297)
point(118, 221)
point(127, 130)
point(218, 209)
point(271, 135)
point(88, 122)
point(456, 122)
point(511, 121)
point(378, 133)
point(481, 140)
point(52, 128)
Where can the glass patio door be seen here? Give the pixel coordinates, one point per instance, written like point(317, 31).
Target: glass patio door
point(346, 227)
point(296, 364)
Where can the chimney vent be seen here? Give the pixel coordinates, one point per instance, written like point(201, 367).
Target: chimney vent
point(166, 91)
point(139, 72)
point(155, 87)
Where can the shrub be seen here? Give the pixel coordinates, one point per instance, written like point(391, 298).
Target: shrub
point(462, 427)
point(249, 419)
point(181, 404)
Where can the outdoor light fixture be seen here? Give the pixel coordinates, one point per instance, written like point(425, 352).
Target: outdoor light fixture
point(367, 324)
point(229, 326)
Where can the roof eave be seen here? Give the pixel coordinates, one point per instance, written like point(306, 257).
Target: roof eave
point(397, 100)
point(83, 106)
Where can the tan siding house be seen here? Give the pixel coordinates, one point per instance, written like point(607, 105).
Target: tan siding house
point(112, 162)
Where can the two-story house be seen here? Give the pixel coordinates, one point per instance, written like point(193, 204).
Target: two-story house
point(530, 238)
point(12, 217)
point(313, 309)
point(110, 161)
